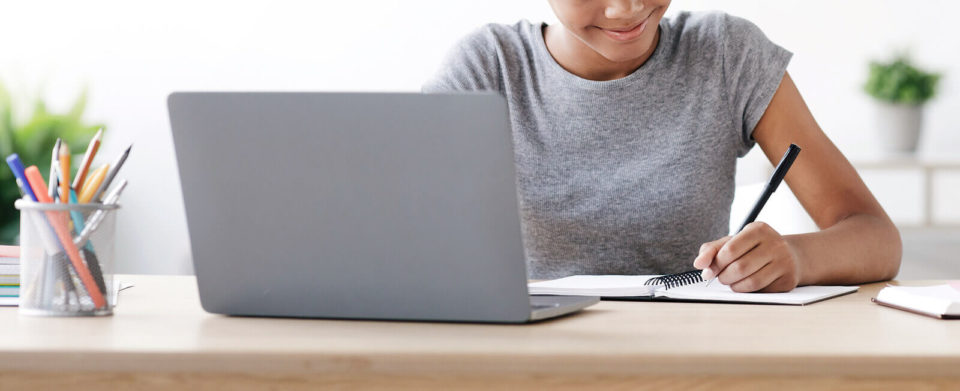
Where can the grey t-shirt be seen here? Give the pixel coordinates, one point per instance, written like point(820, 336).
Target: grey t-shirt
point(627, 176)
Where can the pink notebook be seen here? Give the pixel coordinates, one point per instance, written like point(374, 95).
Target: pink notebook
point(938, 301)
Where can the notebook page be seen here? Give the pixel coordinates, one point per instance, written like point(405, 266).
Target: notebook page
point(719, 292)
point(584, 285)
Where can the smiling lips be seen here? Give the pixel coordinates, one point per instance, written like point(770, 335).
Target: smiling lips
point(627, 34)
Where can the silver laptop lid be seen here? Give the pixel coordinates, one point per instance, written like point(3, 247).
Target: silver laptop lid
point(352, 205)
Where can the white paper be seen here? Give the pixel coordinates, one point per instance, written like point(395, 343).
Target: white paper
point(935, 300)
point(719, 292)
point(632, 286)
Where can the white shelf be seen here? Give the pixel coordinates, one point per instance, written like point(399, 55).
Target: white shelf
point(928, 167)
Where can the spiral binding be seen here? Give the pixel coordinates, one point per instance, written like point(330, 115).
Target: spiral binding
point(675, 280)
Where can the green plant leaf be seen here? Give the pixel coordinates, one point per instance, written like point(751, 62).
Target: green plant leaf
point(6, 123)
point(76, 111)
point(33, 140)
point(899, 81)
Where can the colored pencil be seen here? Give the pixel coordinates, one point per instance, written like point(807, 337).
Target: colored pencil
point(59, 223)
point(92, 184)
point(111, 174)
point(64, 173)
point(87, 161)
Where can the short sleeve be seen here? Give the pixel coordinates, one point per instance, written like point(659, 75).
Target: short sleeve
point(753, 68)
point(471, 65)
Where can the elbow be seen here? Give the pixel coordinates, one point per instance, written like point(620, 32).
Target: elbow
point(892, 251)
point(883, 249)
point(893, 268)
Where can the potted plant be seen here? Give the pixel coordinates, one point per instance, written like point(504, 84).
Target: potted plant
point(33, 140)
point(900, 90)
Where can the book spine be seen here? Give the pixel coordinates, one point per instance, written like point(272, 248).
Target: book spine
point(9, 291)
point(10, 251)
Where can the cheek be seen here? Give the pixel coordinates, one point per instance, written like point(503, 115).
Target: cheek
point(662, 5)
point(580, 22)
point(581, 15)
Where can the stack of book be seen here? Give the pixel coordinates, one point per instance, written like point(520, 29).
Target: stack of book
point(9, 275)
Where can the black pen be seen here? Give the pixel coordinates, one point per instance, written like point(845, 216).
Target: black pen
point(785, 162)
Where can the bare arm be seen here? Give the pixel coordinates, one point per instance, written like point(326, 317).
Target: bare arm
point(856, 243)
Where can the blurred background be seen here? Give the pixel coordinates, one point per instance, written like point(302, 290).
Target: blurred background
point(124, 58)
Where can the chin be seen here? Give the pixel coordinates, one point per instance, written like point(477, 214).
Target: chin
point(624, 53)
point(621, 51)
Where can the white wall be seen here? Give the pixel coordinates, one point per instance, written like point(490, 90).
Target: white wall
point(132, 55)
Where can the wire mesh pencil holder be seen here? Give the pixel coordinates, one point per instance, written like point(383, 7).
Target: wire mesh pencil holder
point(66, 259)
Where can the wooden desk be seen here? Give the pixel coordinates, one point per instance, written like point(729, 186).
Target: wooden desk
point(160, 338)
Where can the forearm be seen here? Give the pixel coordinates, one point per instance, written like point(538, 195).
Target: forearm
point(860, 248)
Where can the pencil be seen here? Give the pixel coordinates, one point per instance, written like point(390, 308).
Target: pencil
point(111, 174)
point(97, 217)
point(64, 173)
point(87, 161)
point(58, 221)
point(54, 166)
point(93, 183)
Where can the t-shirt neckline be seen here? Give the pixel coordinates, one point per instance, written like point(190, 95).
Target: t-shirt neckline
point(637, 75)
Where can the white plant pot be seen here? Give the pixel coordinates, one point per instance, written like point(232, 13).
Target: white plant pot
point(898, 126)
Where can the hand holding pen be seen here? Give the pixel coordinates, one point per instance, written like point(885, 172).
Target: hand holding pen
point(757, 258)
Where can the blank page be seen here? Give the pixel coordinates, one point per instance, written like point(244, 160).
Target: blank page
point(632, 286)
point(719, 292)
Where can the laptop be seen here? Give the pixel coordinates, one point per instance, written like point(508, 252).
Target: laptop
point(394, 206)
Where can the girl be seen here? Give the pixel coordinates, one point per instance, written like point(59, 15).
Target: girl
point(627, 126)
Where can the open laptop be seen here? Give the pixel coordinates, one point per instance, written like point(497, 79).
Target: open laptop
point(398, 206)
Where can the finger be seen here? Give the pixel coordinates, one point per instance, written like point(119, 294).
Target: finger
point(705, 260)
point(784, 283)
point(745, 266)
point(741, 243)
point(759, 280)
point(708, 251)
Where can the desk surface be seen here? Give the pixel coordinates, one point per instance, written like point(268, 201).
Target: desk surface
point(159, 327)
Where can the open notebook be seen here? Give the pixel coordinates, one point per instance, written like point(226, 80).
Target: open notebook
point(634, 288)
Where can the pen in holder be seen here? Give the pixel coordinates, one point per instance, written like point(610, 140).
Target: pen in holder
point(66, 258)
